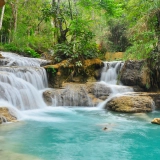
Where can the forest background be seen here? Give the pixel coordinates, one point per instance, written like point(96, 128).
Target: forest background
point(75, 30)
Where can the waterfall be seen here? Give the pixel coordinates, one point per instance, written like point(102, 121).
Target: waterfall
point(12, 59)
point(109, 78)
point(110, 71)
point(21, 81)
point(34, 75)
point(81, 95)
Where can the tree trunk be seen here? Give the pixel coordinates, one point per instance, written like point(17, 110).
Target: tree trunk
point(2, 15)
point(2, 3)
point(70, 8)
point(14, 14)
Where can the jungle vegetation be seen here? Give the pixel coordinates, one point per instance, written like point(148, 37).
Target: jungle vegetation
point(76, 30)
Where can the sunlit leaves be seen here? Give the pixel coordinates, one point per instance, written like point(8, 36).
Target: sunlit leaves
point(143, 31)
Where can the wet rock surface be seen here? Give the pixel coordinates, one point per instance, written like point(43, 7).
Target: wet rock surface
point(6, 115)
point(131, 104)
point(73, 94)
point(156, 121)
point(154, 95)
point(135, 73)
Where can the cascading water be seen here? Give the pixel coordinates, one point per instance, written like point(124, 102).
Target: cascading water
point(12, 59)
point(109, 78)
point(110, 71)
point(34, 75)
point(20, 86)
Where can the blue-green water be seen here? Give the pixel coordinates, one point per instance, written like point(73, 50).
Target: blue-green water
point(77, 134)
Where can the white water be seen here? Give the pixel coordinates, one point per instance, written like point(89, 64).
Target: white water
point(34, 75)
point(110, 71)
point(109, 77)
point(22, 81)
point(17, 60)
point(20, 87)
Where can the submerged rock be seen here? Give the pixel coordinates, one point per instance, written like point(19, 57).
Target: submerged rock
point(131, 104)
point(156, 121)
point(6, 115)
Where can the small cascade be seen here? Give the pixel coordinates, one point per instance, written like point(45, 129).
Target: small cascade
point(109, 77)
point(19, 92)
point(110, 71)
point(21, 79)
point(34, 75)
point(12, 59)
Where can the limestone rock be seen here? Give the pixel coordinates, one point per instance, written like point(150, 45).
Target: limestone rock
point(156, 121)
point(154, 95)
point(6, 116)
point(75, 94)
point(130, 104)
point(135, 73)
point(90, 71)
point(1, 57)
point(99, 90)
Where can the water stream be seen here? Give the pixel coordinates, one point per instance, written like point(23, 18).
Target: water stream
point(64, 133)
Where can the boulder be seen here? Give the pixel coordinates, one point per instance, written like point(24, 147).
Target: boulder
point(1, 57)
point(73, 94)
point(154, 95)
point(99, 90)
point(131, 104)
point(6, 116)
point(135, 73)
point(156, 121)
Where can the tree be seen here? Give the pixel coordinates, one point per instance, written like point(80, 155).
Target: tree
point(144, 19)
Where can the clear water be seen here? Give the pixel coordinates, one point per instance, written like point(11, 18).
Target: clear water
point(77, 134)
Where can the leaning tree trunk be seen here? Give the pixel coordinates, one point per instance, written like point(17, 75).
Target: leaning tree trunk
point(2, 15)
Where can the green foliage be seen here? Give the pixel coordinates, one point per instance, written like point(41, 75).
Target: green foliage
point(117, 38)
point(75, 51)
point(10, 47)
point(51, 70)
point(25, 51)
point(31, 52)
point(30, 34)
point(144, 30)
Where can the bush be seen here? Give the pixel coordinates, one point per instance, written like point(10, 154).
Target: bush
point(25, 51)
